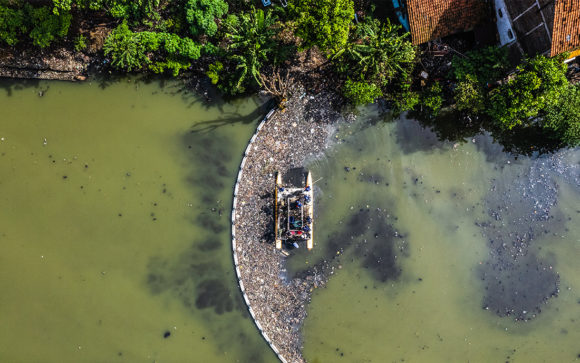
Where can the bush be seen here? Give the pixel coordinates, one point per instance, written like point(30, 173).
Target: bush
point(324, 23)
point(12, 25)
point(563, 117)
point(361, 92)
point(537, 84)
point(132, 50)
point(469, 96)
point(80, 43)
point(214, 72)
point(487, 65)
point(46, 26)
point(201, 15)
point(432, 99)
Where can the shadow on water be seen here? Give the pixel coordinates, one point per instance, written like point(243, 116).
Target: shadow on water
point(453, 126)
point(233, 118)
point(199, 277)
point(12, 85)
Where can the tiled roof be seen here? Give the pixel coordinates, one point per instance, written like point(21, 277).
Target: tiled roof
point(566, 31)
point(432, 19)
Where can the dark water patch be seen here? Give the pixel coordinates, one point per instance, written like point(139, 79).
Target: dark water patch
point(366, 238)
point(522, 210)
point(413, 137)
point(210, 244)
point(519, 289)
point(195, 278)
point(211, 222)
point(214, 294)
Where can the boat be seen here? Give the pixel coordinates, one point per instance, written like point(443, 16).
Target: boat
point(294, 210)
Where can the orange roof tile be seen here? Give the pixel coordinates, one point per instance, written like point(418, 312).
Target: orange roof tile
point(566, 31)
point(432, 19)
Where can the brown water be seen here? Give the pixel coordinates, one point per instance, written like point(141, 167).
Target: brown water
point(403, 225)
point(114, 224)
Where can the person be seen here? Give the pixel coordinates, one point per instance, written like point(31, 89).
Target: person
point(298, 204)
point(307, 188)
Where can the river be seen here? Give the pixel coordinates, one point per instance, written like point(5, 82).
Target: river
point(115, 201)
point(114, 224)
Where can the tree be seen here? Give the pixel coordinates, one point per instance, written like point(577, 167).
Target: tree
point(563, 117)
point(324, 23)
point(126, 49)
point(251, 42)
point(159, 51)
point(46, 26)
point(12, 25)
point(377, 52)
point(537, 84)
point(201, 15)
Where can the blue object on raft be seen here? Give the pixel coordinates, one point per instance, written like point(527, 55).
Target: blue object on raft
point(401, 11)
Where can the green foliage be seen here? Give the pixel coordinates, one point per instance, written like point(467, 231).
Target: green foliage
point(126, 49)
point(251, 42)
point(324, 23)
point(377, 52)
point(46, 26)
point(80, 43)
point(403, 100)
point(214, 72)
point(361, 92)
point(432, 99)
point(486, 65)
point(469, 96)
point(63, 6)
point(170, 64)
point(537, 84)
point(201, 15)
point(12, 25)
point(563, 117)
point(134, 50)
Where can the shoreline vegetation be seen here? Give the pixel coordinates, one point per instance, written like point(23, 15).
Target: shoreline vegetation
point(458, 88)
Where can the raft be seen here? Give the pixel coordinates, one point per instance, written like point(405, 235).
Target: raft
point(294, 211)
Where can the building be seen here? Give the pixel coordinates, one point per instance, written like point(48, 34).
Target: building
point(433, 19)
point(548, 27)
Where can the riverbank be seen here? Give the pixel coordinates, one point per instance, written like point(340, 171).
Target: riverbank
point(287, 140)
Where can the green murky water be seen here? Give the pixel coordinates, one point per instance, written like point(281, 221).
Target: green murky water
point(114, 225)
point(404, 226)
point(114, 232)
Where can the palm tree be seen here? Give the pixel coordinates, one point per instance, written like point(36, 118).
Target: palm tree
point(251, 42)
point(377, 53)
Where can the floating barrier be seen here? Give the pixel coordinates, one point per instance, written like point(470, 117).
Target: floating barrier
point(234, 245)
